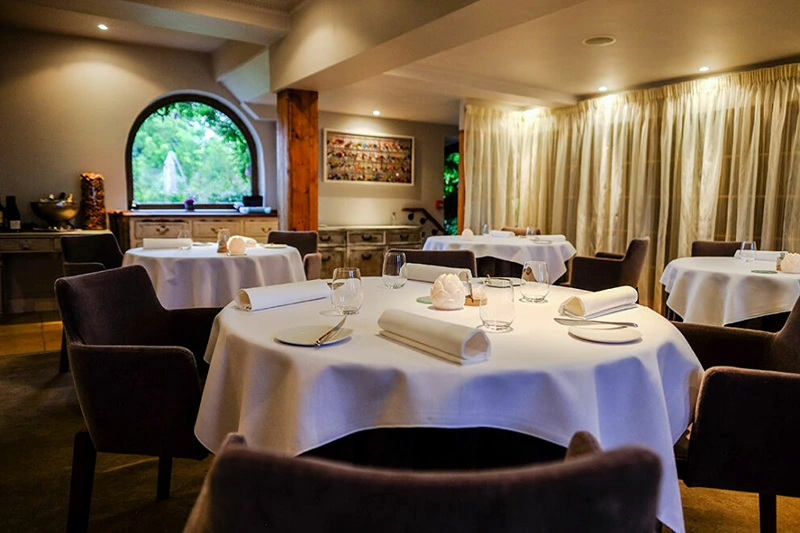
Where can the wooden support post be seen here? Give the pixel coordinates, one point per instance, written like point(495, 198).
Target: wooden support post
point(298, 160)
point(461, 187)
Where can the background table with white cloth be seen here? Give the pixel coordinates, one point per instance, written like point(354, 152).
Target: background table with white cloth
point(555, 252)
point(201, 277)
point(725, 290)
point(539, 380)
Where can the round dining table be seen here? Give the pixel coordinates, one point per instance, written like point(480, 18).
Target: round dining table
point(724, 290)
point(201, 277)
point(555, 250)
point(539, 380)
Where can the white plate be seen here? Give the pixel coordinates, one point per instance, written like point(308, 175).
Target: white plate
point(540, 241)
point(606, 334)
point(272, 245)
point(494, 282)
point(308, 335)
point(204, 244)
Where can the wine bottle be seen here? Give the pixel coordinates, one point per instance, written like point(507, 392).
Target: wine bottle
point(12, 218)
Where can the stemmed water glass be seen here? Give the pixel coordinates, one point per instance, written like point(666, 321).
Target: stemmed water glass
point(347, 294)
point(394, 276)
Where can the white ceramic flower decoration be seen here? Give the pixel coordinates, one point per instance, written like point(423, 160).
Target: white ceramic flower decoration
point(448, 292)
point(237, 245)
point(791, 263)
point(467, 234)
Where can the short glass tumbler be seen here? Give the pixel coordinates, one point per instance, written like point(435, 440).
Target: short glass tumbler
point(535, 282)
point(394, 275)
point(347, 294)
point(748, 252)
point(497, 305)
point(185, 239)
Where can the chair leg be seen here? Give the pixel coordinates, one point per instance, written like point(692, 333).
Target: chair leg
point(84, 458)
point(164, 477)
point(63, 363)
point(768, 512)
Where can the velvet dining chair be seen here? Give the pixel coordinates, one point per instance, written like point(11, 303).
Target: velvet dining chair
point(447, 258)
point(606, 270)
point(715, 248)
point(249, 490)
point(306, 243)
point(137, 370)
point(746, 424)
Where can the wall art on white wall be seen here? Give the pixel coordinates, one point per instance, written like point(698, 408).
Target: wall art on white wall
point(369, 158)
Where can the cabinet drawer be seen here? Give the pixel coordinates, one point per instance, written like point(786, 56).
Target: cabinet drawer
point(332, 238)
point(208, 229)
point(369, 260)
point(331, 258)
point(404, 236)
point(259, 227)
point(166, 229)
point(23, 244)
point(356, 238)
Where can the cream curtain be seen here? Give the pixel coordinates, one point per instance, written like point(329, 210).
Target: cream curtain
point(717, 158)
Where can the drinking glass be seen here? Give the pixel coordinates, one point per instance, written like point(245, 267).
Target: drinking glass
point(535, 282)
point(346, 292)
point(530, 231)
point(394, 276)
point(485, 230)
point(186, 239)
point(222, 240)
point(748, 252)
point(497, 305)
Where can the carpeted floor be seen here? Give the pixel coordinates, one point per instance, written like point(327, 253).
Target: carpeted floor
point(39, 416)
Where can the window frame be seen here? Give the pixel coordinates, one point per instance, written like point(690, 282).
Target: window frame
point(189, 97)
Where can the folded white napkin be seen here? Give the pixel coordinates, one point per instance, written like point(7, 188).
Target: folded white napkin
point(155, 244)
point(791, 264)
point(452, 342)
point(259, 298)
point(600, 303)
point(551, 238)
point(500, 233)
point(762, 255)
point(429, 273)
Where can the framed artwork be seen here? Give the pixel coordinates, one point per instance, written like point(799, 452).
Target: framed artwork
point(361, 158)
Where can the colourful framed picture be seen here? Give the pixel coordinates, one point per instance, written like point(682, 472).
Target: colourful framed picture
point(363, 158)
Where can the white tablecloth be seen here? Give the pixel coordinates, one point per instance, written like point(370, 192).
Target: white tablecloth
point(201, 277)
point(723, 290)
point(514, 249)
point(539, 380)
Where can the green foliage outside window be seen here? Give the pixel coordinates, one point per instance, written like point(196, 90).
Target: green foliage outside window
point(190, 150)
point(451, 193)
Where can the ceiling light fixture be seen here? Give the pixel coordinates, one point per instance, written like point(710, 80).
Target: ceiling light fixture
point(602, 88)
point(102, 27)
point(376, 113)
point(704, 69)
point(600, 40)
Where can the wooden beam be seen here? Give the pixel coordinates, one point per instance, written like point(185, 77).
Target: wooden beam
point(461, 187)
point(298, 160)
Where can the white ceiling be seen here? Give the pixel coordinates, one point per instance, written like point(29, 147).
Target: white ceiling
point(520, 53)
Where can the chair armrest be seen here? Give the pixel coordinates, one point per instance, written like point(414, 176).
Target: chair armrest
point(744, 435)
point(312, 264)
point(582, 443)
point(138, 399)
point(609, 255)
point(719, 346)
point(191, 328)
point(595, 273)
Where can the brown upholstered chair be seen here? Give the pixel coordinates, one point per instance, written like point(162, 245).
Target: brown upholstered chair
point(446, 258)
point(746, 424)
point(248, 490)
point(607, 270)
point(137, 371)
point(520, 231)
point(306, 243)
point(715, 248)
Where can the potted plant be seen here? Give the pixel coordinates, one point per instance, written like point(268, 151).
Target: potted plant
point(189, 204)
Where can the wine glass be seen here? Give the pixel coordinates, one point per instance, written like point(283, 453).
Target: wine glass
point(535, 282)
point(346, 292)
point(748, 253)
point(394, 276)
point(497, 304)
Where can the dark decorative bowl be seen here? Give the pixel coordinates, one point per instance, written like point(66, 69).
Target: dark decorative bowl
point(55, 213)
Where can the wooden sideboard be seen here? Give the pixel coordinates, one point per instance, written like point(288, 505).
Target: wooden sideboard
point(132, 227)
point(363, 246)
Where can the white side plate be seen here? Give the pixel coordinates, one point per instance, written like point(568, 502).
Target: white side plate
point(308, 335)
point(272, 245)
point(606, 334)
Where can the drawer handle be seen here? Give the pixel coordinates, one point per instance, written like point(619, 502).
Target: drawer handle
point(214, 230)
point(366, 257)
point(366, 237)
point(25, 245)
point(326, 258)
point(162, 230)
point(324, 238)
point(404, 237)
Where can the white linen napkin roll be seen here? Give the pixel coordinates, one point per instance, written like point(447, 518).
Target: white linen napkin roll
point(600, 303)
point(551, 238)
point(791, 264)
point(452, 342)
point(429, 273)
point(761, 255)
point(500, 233)
point(156, 244)
point(259, 298)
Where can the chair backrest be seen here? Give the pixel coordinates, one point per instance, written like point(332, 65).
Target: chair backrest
point(715, 248)
point(304, 241)
point(520, 231)
point(633, 262)
point(785, 351)
point(447, 258)
point(99, 248)
point(604, 492)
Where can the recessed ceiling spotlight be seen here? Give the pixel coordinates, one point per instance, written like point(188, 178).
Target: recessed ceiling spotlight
point(602, 88)
point(102, 27)
point(704, 69)
point(600, 40)
point(376, 113)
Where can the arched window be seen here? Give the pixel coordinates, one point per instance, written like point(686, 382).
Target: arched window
point(189, 146)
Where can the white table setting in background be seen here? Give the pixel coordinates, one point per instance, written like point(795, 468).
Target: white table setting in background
point(725, 290)
point(539, 379)
point(553, 249)
point(201, 277)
